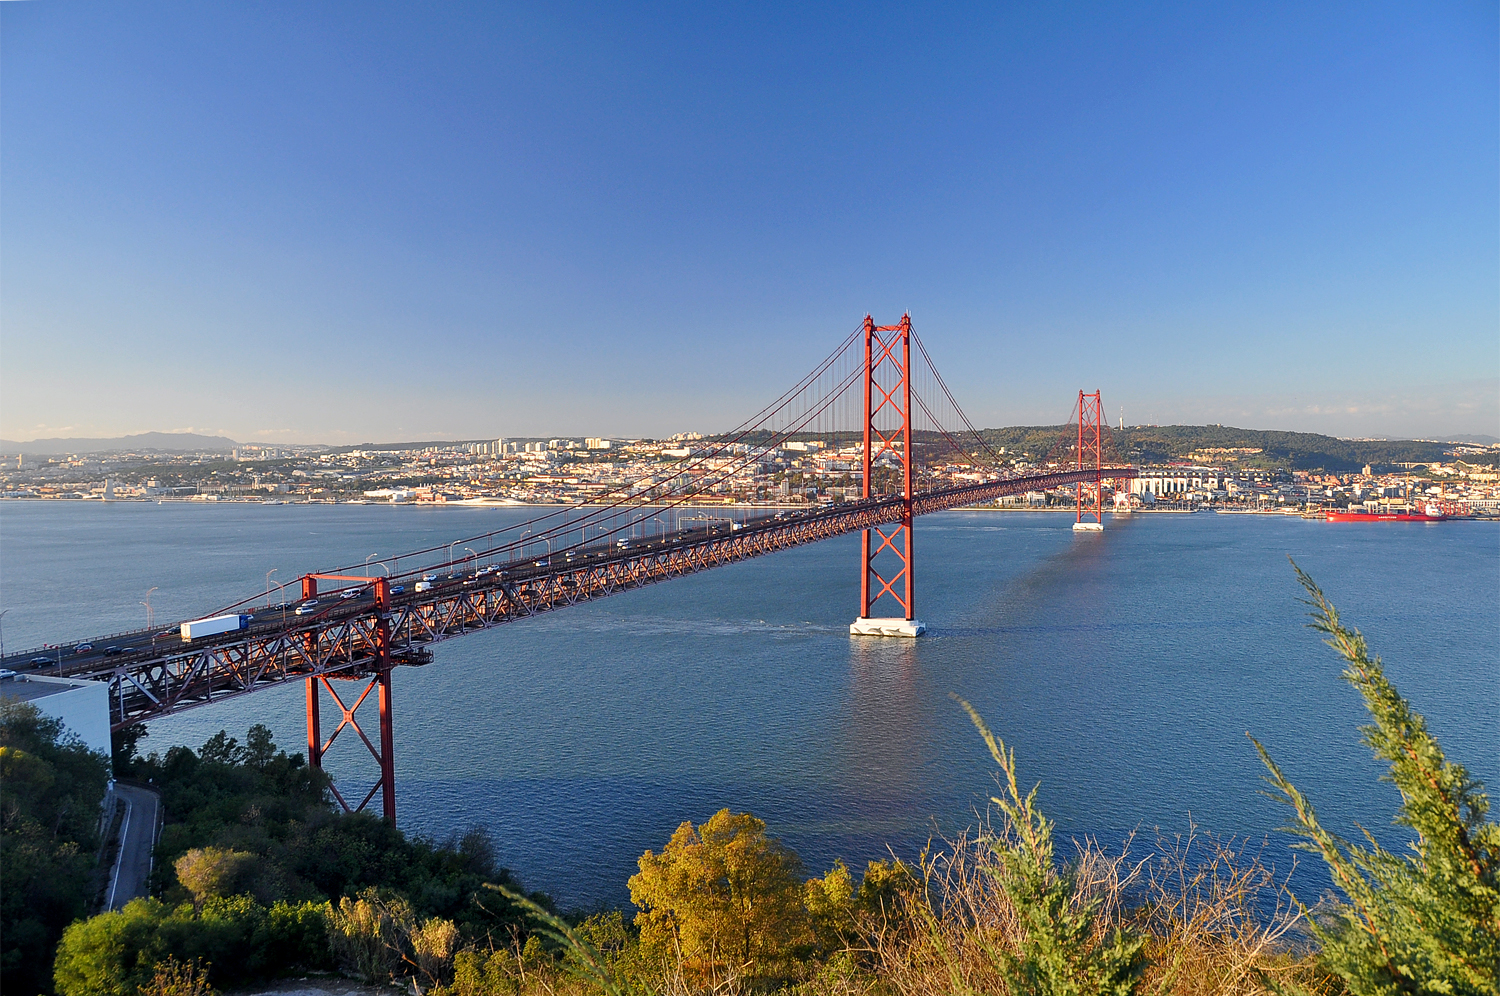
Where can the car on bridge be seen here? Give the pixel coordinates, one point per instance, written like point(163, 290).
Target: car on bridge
point(308, 607)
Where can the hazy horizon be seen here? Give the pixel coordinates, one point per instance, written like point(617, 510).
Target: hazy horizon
point(1449, 437)
point(339, 222)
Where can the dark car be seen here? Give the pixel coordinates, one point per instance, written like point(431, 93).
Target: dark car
point(113, 651)
point(41, 661)
point(397, 589)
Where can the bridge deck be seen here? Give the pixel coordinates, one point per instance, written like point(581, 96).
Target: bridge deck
point(155, 677)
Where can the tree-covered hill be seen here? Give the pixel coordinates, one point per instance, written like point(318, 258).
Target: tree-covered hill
point(1274, 450)
point(1259, 449)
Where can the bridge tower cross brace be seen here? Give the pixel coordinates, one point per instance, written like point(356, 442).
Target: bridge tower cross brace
point(379, 681)
point(1090, 457)
point(887, 391)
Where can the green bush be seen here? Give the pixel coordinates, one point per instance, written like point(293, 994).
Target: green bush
point(240, 940)
point(255, 799)
point(255, 822)
point(50, 792)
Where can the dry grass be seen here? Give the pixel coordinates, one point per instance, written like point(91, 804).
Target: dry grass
point(1218, 922)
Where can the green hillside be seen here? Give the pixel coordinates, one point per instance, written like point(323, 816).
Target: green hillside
point(1277, 450)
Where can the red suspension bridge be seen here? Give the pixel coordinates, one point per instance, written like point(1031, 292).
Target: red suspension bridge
point(877, 397)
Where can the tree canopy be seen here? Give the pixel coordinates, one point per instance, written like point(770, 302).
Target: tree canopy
point(51, 787)
point(724, 894)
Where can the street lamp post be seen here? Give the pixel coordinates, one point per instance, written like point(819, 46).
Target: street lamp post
point(473, 556)
point(149, 624)
point(268, 585)
point(367, 563)
point(2, 633)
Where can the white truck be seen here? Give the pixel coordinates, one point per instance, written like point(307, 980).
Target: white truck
point(199, 628)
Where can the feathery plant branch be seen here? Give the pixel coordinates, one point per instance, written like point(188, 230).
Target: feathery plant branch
point(1063, 951)
point(583, 959)
point(1428, 922)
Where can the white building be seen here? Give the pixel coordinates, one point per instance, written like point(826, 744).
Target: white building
point(1176, 481)
point(83, 706)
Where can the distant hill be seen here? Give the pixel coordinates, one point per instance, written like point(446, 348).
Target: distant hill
point(1148, 444)
point(167, 442)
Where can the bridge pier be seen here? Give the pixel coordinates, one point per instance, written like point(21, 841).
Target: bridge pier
point(1090, 450)
point(379, 681)
point(888, 374)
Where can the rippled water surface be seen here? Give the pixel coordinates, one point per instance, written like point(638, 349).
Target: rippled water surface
point(1125, 669)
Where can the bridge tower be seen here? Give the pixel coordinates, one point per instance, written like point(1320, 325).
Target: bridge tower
point(377, 680)
point(1090, 456)
point(887, 429)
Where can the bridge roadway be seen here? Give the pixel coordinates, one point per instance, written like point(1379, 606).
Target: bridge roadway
point(154, 673)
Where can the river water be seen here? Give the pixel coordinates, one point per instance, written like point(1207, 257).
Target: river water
point(1124, 668)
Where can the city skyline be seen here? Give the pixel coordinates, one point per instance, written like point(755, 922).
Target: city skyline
point(340, 223)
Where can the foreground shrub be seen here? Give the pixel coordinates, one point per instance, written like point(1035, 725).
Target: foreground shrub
point(173, 978)
point(1428, 922)
point(239, 940)
point(1061, 946)
point(251, 818)
point(376, 937)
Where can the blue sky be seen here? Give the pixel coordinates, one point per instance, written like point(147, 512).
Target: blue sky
point(343, 222)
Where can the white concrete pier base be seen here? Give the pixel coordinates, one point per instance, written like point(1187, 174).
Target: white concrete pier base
point(1088, 527)
point(864, 626)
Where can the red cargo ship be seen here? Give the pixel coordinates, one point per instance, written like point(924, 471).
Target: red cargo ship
point(1431, 514)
